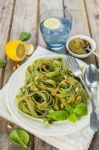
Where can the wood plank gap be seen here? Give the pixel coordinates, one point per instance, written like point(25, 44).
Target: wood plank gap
point(64, 8)
point(87, 18)
point(8, 37)
point(90, 32)
point(32, 142)
point(38, 20)
point(12, 14)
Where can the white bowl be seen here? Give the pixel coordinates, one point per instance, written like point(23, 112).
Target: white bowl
point(87, 38)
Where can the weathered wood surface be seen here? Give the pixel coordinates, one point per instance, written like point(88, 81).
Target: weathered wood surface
point(6, 10)
point(20, 15)
point(80, 22)
point(92, 9)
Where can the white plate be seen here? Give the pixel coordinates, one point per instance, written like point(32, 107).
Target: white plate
point(35, 126)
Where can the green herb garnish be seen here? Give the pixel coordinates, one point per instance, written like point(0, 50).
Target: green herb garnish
point(19, 137)
point(24, 36)
point(73, 118)
point(80, 110)
point(2, 62)
point(77, 112)
point(58, 115)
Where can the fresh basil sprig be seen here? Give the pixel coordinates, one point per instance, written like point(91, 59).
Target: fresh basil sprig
point(2, 62)
point(58, 115)
point(24, 36)
point(19, 137)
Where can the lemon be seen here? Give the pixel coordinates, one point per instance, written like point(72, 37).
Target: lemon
point(52, 23)
point(29, 48)
point(15, 50)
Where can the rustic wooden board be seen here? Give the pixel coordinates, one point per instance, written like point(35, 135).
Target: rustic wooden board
point(77, 10)
point(26, 16)
point(41, 145)
point(6, 10)
point(92, 8)
point(24, 19)
point(95, 143)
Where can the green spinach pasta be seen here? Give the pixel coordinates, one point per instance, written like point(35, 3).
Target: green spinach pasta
point(51, 92)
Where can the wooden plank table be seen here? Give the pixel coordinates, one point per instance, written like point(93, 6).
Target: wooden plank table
point(21, 15)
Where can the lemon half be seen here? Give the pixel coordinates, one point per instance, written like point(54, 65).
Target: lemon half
point(52, 23)
point(29, 48)
point(15, 50)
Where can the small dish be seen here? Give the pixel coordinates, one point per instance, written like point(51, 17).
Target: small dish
point(84, 37)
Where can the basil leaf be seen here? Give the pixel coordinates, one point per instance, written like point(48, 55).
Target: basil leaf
point(80, 110)
point(69, 108)
point(24, 36)
point(19, 137)
point(2, 62)
point(58, 115)
point(73, 118)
